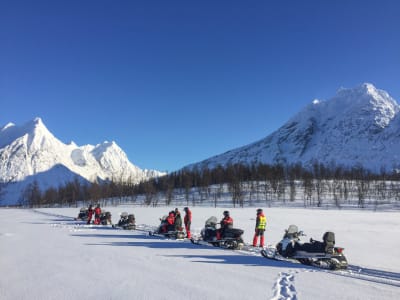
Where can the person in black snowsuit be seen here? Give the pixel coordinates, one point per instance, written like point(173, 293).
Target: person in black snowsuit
point(178, 220)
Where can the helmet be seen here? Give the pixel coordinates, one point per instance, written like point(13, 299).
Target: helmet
point(226, 213)
point(259, 211)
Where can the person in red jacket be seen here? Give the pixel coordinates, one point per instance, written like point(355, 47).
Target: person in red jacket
point(97, 212)
point(226, 222)
point(90, 214)
point(188, 221)
point(169, 224)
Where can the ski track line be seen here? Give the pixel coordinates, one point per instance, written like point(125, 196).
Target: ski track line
point(376, 276)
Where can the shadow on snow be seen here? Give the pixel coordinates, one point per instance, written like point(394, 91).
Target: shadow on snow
point(229, 256)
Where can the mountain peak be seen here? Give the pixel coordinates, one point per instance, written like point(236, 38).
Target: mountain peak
point(358, 126)
point(31, 152)
point(368, 87)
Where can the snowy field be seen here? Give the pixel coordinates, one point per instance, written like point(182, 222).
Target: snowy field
point(45, 254)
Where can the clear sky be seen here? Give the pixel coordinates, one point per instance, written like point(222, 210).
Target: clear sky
point(175, 82)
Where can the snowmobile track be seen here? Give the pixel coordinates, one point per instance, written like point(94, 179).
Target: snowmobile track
point(377, 276)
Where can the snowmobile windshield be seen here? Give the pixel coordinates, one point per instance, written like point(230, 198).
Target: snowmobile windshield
point(211, 221)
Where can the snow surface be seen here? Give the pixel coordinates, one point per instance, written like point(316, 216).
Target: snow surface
point(45, 254)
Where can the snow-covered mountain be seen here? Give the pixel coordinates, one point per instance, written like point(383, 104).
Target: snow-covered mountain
point(31, 152)
point(358, 126)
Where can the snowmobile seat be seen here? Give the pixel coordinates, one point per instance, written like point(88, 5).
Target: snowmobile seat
point(329, 242)
point(232, 232)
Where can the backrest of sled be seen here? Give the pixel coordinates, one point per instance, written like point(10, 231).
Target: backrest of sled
point(329, 241)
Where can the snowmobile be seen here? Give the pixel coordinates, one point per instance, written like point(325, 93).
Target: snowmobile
point(83, 214)
point(315, 253)
point(105, 218)
point(126, 221)
point(167, 230)
point(230, 238)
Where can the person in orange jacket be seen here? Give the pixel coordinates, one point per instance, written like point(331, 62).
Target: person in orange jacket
point(97, 212)
point(170, 222)
point(261, 223)
point(187, 220)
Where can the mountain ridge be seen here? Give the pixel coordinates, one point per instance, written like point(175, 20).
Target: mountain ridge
point(31, 149)
point(358, 126)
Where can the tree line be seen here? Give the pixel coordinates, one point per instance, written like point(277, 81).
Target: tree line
point(241, 184)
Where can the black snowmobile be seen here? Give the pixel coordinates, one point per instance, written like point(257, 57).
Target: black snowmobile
point(315, 253)
point(230, 238)
point(126, 221)
point(83, 214)
point(167, 230)
point(105, 218)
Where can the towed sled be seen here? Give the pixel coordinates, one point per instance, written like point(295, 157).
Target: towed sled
point(231, 238)
point(315, 253)
point(126, 221)
point(168, 231)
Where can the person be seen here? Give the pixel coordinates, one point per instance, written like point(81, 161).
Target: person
point(178, 220)
point(188, 221)
point(226, 222)
point(261, 222)
point(97, 212)
point(90, 214)
point(169, 223)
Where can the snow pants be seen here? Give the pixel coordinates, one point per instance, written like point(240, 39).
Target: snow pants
point(258, 233)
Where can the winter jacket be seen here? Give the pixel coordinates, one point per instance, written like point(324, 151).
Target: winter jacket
point(261, 221)
point(97, 211)
point(90, 212)
point(171, 219)
point(226, 222)
point(178, 221)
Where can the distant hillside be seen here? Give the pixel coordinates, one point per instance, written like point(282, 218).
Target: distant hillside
point(357, 127)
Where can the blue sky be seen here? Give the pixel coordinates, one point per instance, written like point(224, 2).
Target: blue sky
point(175, 82)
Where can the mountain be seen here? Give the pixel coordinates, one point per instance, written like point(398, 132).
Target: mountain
point(31, 152)
point(357, 127)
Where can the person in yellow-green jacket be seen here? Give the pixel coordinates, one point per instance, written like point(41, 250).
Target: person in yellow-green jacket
point(261, 223)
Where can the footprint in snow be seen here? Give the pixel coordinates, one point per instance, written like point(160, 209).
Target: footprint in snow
point(284, 288)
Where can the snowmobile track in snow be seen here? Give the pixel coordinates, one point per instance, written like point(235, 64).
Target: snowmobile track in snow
point(372, 275)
